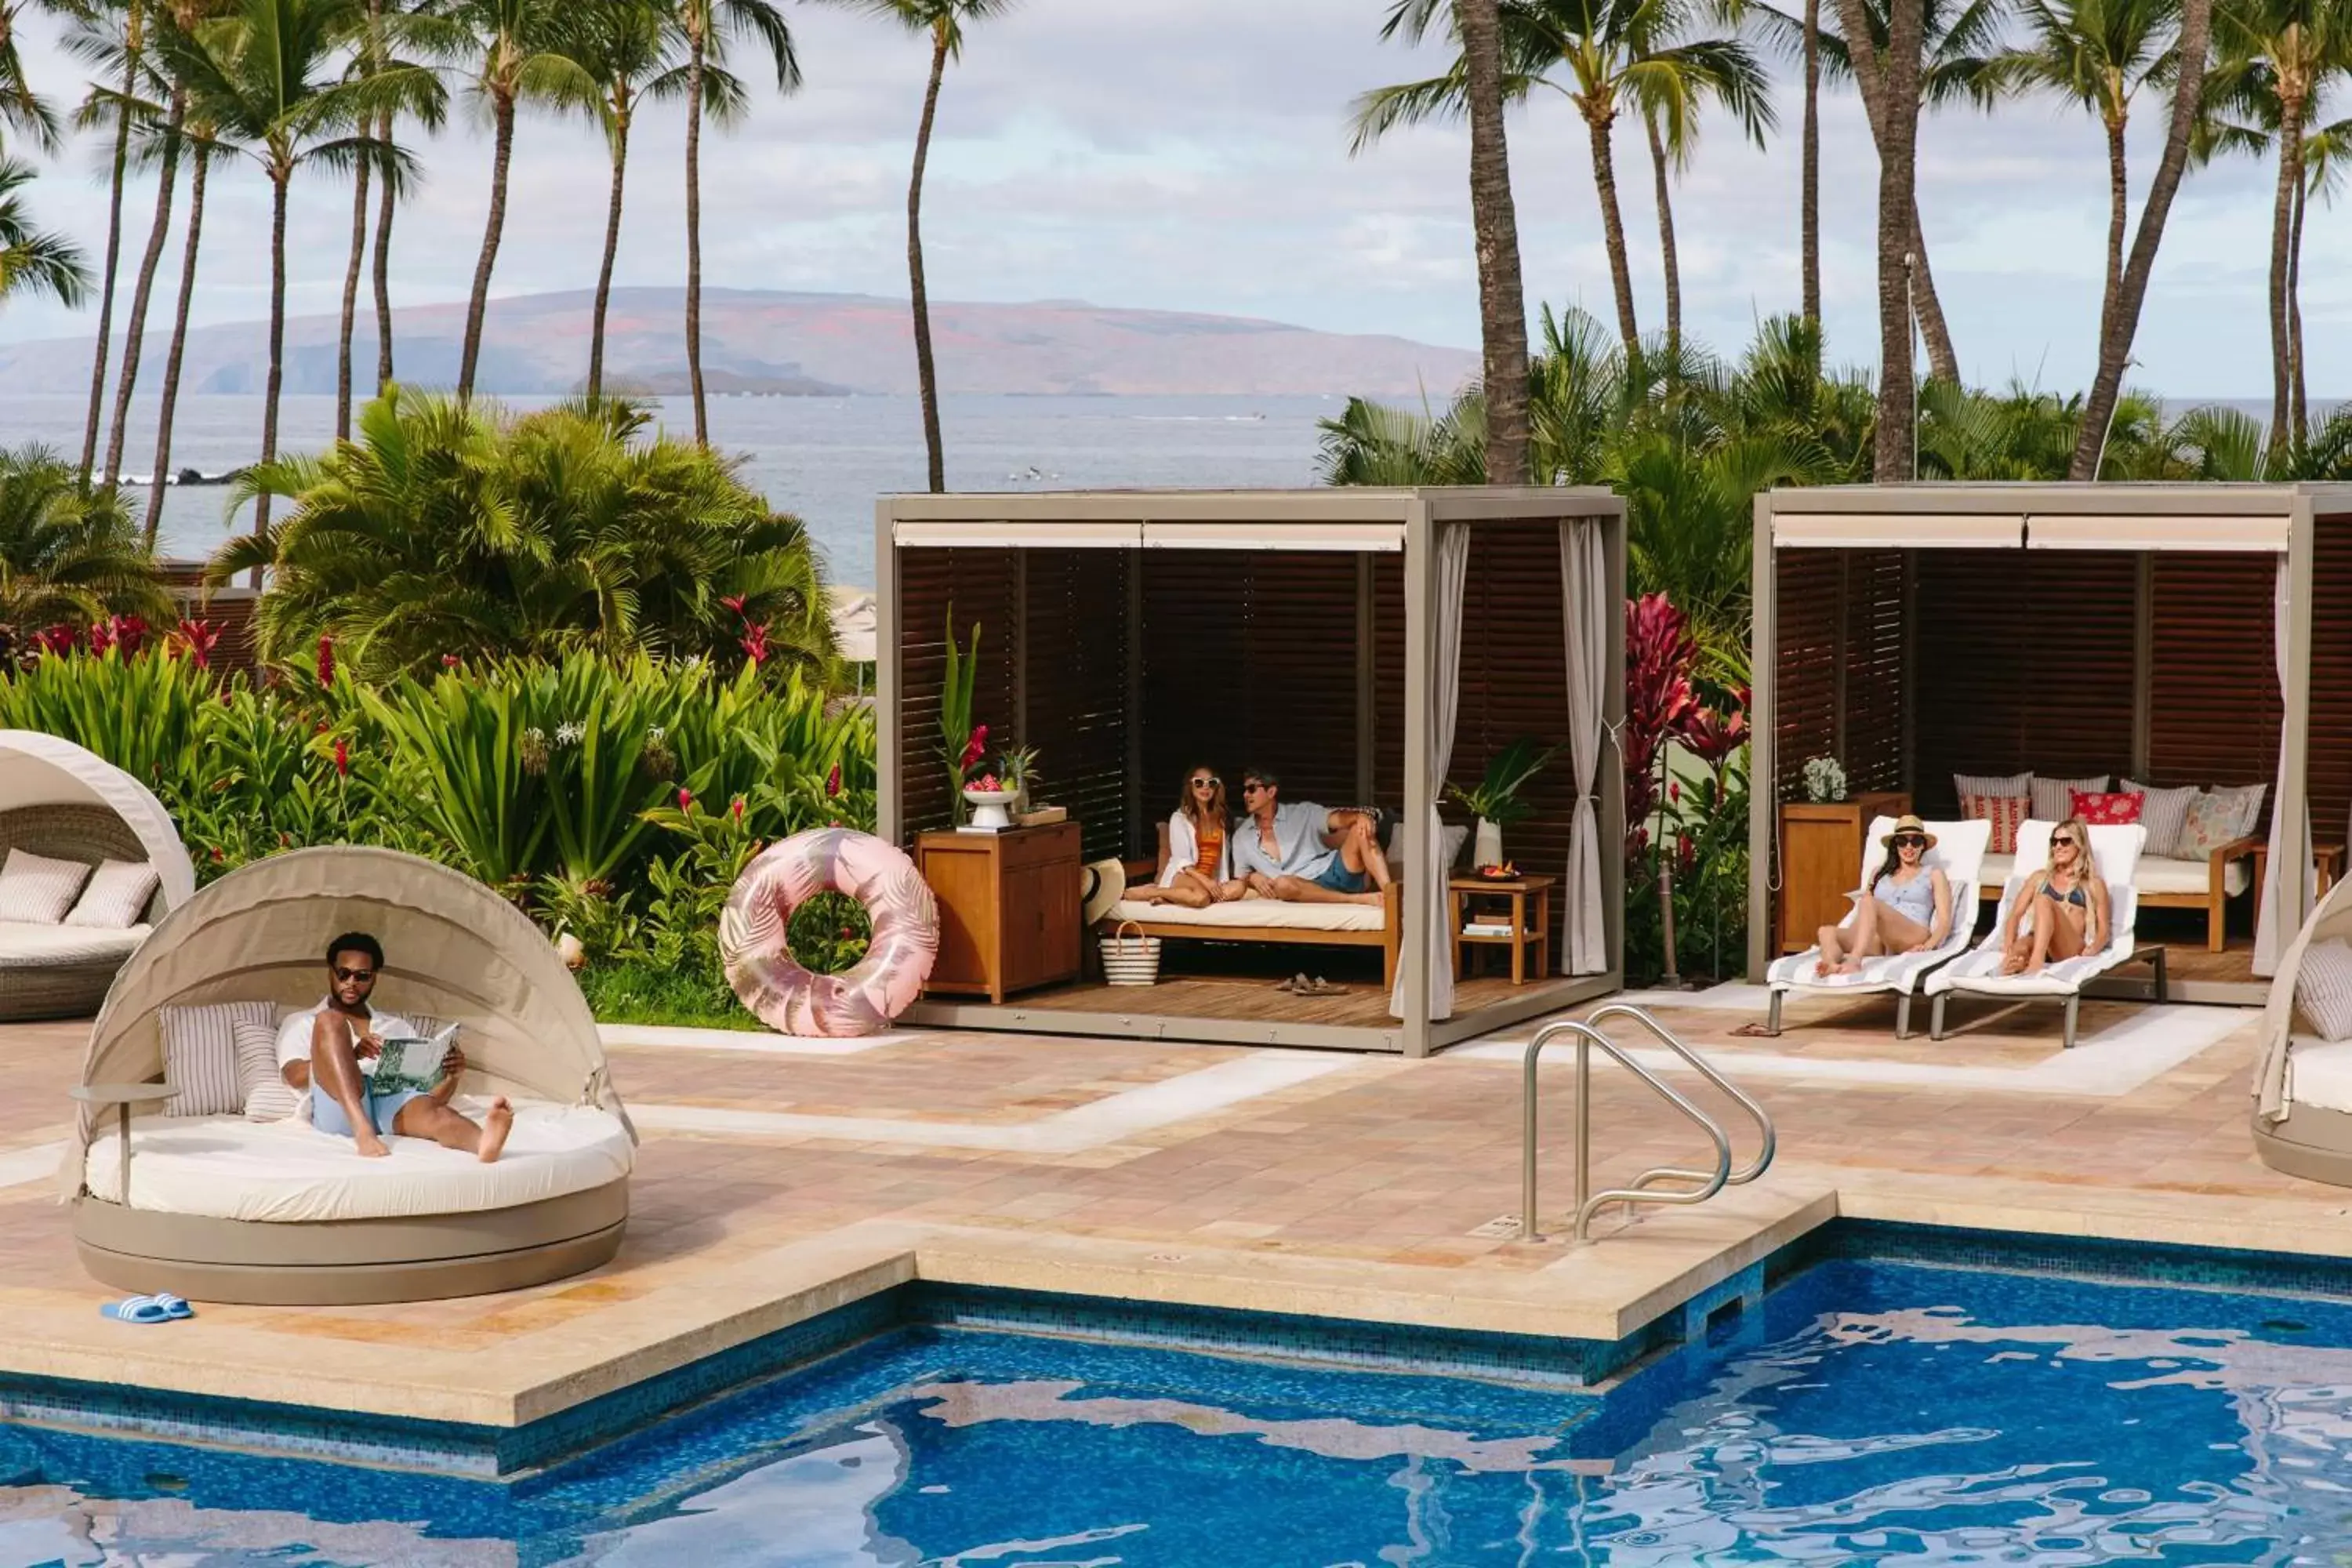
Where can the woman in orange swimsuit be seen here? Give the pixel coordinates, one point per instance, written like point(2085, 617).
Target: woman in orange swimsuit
point(1200, 859)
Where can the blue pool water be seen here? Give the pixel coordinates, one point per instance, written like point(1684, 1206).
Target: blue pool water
point(1865, 1413)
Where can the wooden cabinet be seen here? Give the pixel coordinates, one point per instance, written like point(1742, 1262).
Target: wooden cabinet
point(1008, 909)
point(1820, 860)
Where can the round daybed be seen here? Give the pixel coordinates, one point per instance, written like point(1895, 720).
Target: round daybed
point(2302, 1088)
point(222, 1208)
point(63, 802)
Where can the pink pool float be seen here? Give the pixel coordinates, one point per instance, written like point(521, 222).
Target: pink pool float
point(862, 1000)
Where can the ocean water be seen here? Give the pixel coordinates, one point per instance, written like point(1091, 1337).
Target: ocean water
point(822, 459)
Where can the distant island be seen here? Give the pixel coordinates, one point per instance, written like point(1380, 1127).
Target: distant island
point(771, 341)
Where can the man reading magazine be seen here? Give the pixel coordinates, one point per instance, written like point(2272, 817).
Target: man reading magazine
point(320, 1051)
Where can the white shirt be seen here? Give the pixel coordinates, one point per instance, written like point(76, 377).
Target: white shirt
point(1184, 850)
point(294, 1033)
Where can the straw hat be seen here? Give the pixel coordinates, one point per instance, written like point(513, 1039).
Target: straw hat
point(1101, 884)
point(1904, 823)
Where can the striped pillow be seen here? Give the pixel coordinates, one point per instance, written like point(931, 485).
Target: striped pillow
point(268, 1096)
point(2054, 799)
point(116, 896)
point(2323, 988)
point(2162, 813)
point(202, 1060)
point(37, 890)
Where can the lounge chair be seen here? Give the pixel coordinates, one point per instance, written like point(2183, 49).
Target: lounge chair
point(221, 1208)
point(2116, 850)
point(2302, 1088)
point(1961, 851)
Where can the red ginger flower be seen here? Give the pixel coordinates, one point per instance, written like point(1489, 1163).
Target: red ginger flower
point(977, 747)
point(326, 658)
point(832, 782)
point(342, 758)
point(685, 799)
point(754, 642)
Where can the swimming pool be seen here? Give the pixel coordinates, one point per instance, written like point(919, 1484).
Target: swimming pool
point(1868, 1412)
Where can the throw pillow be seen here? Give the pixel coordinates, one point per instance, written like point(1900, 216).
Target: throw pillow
point(1994, 786)
point(2323, 988)
point(116, 896)
point(2053, 797)
point(2162, 813)
point(2006, 813)
point(2211, 822)
point(201, 1060)
point(2117, 810)
point(37, 889)
point(268, 1096)
point(2244, 803)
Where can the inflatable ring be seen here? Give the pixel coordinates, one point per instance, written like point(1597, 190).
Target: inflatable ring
point(863, 1001)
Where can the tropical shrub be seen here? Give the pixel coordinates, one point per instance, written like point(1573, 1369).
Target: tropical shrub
point(1685, 743)
point(66, 556)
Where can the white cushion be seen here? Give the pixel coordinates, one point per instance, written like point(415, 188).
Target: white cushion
point(2054, 799)
point(37, 890)
point(225, 1167)
point(268, 1096)
point(2161, 812)
point(2319, 1073)
point(2323, 988)
point(116, 897)
point(26, 946)
point(2152, 874)
point(200, 1056)
point(1254, 912)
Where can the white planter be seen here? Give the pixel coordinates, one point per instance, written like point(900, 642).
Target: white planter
point(1486, 848)
point(989, 807)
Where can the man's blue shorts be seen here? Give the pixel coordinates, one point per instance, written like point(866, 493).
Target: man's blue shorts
point(1339, 879)
point(384, 1110)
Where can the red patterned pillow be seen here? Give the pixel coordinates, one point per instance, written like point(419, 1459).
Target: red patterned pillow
point(2005, 812)
point(2106, 810)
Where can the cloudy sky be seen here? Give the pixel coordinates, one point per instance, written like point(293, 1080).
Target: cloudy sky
point(1193, 154)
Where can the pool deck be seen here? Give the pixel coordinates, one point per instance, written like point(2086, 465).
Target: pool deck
point(779, 1178)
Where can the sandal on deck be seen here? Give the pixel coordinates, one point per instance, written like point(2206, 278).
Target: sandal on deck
point(136, 1309)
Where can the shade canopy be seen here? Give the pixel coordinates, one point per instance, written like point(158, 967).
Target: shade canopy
point(36, 769)
point(452, 948)
point(2331, 919)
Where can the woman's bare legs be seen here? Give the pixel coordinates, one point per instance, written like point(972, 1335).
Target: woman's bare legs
point(2057, 936)
point(1831, 939)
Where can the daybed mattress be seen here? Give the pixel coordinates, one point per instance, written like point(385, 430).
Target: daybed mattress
point(2156, 874)
point(224, 1167)
point(24, 944)
point(2319, 1073)
point(1262, 912)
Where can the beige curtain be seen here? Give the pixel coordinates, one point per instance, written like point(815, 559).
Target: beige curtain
point(1426, 880)
point(1585, 611)
point(2269, 937)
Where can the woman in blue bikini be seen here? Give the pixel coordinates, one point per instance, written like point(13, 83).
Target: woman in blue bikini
point(2071, 894)
point(1908, 908)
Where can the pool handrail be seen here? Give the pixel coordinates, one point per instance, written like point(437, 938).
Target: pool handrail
point(1587, 1201)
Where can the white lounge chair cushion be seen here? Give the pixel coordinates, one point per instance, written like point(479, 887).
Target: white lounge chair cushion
point(37, 890)
point(1271, 912)
point(2154, 874)
point(28, 946)
point(2319, 1073)
point(224, 1167)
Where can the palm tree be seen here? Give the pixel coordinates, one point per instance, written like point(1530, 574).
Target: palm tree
point(1599, 54)
point(21, 109)
point(944, 21)
point(265, 77)
point(114, 40)
point(202, 150)
point(65, 555)
point(373, 56)
point(1808, 200)
point(163, 152)
point(33, 262)
point(709, 27)
point(520, 59)
point(1494, 218)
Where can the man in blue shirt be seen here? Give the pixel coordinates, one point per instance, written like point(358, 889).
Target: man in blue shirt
point(1301, 853)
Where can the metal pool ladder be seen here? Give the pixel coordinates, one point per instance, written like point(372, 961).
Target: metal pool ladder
point(1588, 1033)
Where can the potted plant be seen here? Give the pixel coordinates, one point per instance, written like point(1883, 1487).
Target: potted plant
point(1496, 799)
point(1824, 780)
point(961, 744)
point(1018, 770)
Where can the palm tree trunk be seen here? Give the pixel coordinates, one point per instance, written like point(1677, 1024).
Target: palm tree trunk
point(927, 377)
point(2118, 214)
point(1502, 303)
point(386, 199)
point(98, 367)
point(1810, 181)
point(171, 397)
point(134, 333)
point(502, 110)
point(1943, 362)
point(694, 237)
point(2116, 330)
point(351, 269)
point(1894, 458)
point(604, 272)
point(2300, 413)
point(1612, 231)
point(1659, 171)
point(2290, 180)
point(280, 179)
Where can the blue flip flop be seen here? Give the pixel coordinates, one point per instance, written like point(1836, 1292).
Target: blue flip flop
point(137, 1309)
point(176, 1307)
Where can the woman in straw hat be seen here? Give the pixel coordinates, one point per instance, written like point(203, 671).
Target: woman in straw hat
point(1905, 907)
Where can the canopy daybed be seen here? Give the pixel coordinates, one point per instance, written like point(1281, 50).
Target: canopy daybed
point(63, 802)
point(2303, 1085)
point(1372, 646)
point(223, 1209)
point(2188, 642)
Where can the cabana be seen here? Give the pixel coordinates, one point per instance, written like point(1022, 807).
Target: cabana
point(63, 802)
point(2177, 635)
point(223, 1209)
point(1371, 646)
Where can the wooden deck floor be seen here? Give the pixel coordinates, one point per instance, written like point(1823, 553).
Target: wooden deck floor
point(1364, 1004)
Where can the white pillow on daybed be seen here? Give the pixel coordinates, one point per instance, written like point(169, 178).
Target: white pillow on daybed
point(116, 897)
point(2323, 988)
point(224, 1167)
point(37, 890)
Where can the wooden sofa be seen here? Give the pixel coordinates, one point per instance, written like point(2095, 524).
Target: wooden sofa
point(49, 971)
point(1263, 919)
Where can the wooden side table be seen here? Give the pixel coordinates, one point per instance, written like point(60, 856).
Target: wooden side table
point(1524, 892)
point(1009, 908)
point(122, 1097)
point(2327, 858)
point(1820, 860)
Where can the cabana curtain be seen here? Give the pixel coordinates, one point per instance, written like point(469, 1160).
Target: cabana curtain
point(1584, 597)
point(1428, 877)
point(2267, 921)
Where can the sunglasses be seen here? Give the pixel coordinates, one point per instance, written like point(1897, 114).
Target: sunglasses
point(2062, 842)
point(1910, 841)
point(1253, 787)
point(1208, 784)
point(354, 976)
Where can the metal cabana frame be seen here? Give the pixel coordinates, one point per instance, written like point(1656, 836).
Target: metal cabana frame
point(1335, 596)
point(2175, 562)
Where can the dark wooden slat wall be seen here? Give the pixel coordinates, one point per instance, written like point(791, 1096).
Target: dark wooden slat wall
point(1872, 593)
point(1388, 680)
point(2329, 771)
point(1076, 697)
point(2215, 712)
point(979, 585)
point(1804, 719)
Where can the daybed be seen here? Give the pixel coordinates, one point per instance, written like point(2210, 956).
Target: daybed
point(2114, 850)
point(2303, 1089)
point(1961, 851)
point(227, 1209)
point(62, 802)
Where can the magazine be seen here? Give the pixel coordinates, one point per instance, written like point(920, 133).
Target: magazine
point(410, 1064)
